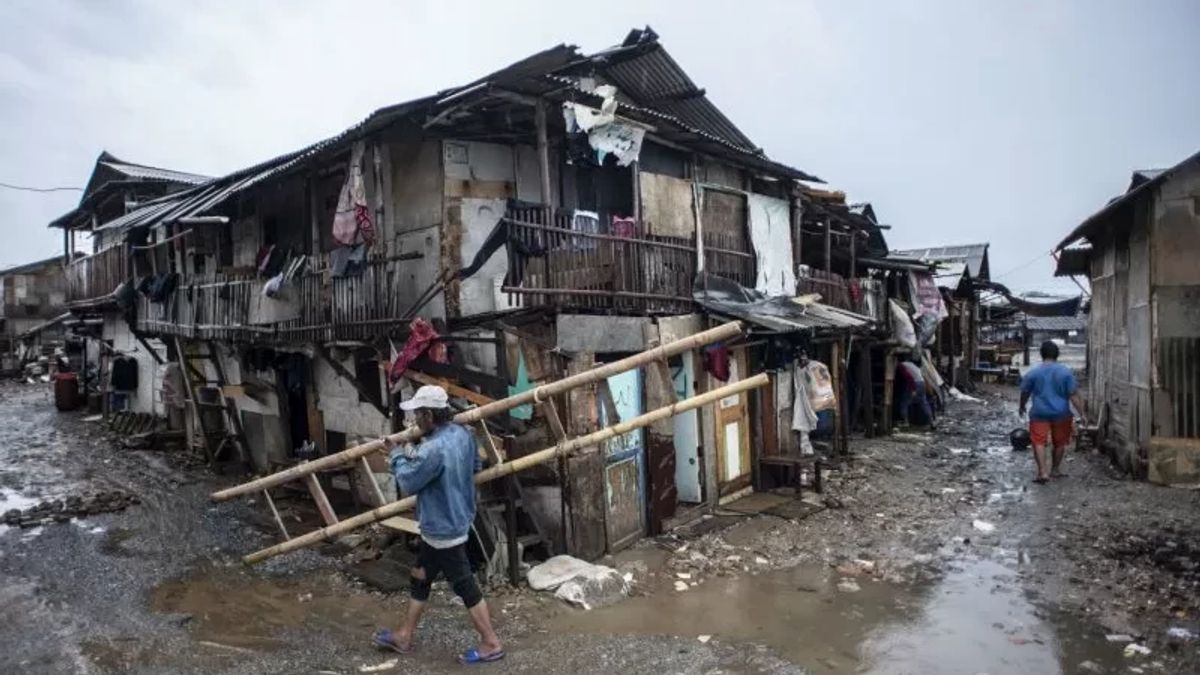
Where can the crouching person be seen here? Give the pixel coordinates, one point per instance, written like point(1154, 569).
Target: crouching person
point(440, 470)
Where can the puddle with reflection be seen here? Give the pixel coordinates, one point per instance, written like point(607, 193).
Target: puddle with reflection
point(973, 619)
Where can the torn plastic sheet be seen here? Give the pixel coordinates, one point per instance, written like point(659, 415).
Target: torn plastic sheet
point(624, 141)
point(606, 135)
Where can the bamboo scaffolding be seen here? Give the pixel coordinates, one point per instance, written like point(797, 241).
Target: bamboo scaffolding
point(500, 470)
point(535, 395)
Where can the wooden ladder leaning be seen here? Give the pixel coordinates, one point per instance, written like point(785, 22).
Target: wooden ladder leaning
point(229, 435)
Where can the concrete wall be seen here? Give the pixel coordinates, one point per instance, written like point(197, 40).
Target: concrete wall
point(339, 403)
point(146, 399)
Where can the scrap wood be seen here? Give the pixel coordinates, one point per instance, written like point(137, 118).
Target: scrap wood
point(451, 388)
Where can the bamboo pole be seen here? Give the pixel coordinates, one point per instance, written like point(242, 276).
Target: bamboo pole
point(508, 468)
point(468, 417)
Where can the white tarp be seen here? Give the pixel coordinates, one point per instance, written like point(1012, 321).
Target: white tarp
point(771, 234)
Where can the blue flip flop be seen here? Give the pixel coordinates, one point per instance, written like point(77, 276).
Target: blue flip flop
point(472, 655)
point(384, 639)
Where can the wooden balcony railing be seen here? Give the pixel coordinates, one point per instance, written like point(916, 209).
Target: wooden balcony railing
point(96, 276)
point(556, 264)
point(311, 307)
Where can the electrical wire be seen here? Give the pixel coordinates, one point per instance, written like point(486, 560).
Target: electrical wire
point(1023, 265)
point(25, 188)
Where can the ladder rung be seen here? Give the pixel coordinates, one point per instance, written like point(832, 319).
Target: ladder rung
point(401, 523)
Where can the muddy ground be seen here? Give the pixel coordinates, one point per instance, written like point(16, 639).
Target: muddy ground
point(888, 572)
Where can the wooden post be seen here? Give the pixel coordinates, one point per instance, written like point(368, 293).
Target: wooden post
point(889, 388)
point(828, 245)
point(535, 395)
point(853, 254)
point(543, 153)
point(866, 390)
point(509, 468)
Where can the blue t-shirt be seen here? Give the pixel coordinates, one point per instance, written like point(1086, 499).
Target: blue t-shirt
point(1049, 386)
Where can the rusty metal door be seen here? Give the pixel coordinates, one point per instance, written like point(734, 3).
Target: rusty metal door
point(624, 471)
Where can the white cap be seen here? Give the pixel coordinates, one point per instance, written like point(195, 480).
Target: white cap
point(428, 396)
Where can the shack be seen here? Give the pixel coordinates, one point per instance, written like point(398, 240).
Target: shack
point(1139, 252)
point(32, 302)
point(564, 211)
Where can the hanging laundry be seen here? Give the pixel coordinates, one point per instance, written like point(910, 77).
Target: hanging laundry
point(124, 374)
point(820, 386)
point(348, 261)
point(273, 286)
point(623, 227)
point(716, 361)
point(421, 336)
point(352, 219)
point(163, 286)
point(804, 418)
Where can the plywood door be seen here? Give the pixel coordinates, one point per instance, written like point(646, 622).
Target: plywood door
point(625, 473)
point(687, 434)
point(733, 432)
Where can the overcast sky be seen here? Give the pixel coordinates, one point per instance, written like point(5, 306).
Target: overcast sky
point(1003, 121)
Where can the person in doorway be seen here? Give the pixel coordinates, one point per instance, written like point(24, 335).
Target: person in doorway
point(1052, 388)
point(911, 384)
point(441, 472)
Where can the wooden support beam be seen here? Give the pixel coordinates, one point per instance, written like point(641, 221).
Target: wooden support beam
point(369, 476)
point(451, 388)
point(520, 464)
point(153, 352)
point(275, 513)
point(468, 417)
point(402, 524)
point(318, 495)
point(543, 152)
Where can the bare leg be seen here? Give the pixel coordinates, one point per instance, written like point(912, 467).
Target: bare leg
point(404, 634)
point(1058, 458)
point(489, 644)
point(1039, 457)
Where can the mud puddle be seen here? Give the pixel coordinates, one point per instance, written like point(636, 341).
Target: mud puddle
point(972, 619)
point(240, 611)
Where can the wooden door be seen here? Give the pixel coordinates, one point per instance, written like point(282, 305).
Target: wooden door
point(733, 432)
point(624, 472)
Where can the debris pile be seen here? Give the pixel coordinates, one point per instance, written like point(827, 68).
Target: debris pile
point(579, 582)
point(75, 506)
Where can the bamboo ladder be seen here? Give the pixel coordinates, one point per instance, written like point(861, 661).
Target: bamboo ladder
point(538, 395)
point(215, 440)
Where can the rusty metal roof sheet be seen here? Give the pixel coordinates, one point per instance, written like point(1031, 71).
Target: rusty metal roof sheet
point(779, 314)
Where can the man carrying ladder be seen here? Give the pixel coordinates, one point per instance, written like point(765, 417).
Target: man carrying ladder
point(440, 471)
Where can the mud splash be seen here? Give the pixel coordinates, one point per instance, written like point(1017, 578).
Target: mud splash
point(973, 619)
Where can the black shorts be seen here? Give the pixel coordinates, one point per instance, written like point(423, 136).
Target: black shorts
point(452, 563)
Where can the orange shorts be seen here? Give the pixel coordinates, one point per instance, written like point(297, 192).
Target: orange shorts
point(1059, 431)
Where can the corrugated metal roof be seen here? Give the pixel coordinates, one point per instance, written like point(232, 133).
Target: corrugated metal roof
point(654, 79)
point(641, 70)
point(780, 314)
point(1096, 221)
point(1056, 323)
point(25, 267)
point(201, 198)
point(973, 255)
point(155, 173)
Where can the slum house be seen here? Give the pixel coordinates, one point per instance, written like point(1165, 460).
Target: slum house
point(547, 217)
point(960, 274)
point(1143, 385)
point(32, 302)
point(114, 188)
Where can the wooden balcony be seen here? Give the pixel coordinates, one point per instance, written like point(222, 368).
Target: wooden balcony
point(92, 279)
point(560, 266)
point(311, 307)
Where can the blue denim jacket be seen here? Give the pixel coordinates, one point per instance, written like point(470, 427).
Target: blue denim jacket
point(441, 472)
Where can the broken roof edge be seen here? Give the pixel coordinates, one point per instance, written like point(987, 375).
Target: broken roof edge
point(1089, 224)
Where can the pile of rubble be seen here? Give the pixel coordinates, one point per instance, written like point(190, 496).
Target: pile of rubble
point(75, 506)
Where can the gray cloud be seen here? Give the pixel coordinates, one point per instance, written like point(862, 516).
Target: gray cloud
point(961, 121)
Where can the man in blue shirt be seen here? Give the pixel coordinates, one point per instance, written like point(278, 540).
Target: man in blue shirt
point(441, 472)
point(1052, 388)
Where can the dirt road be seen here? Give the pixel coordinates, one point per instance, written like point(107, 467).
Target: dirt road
point(932, 554)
